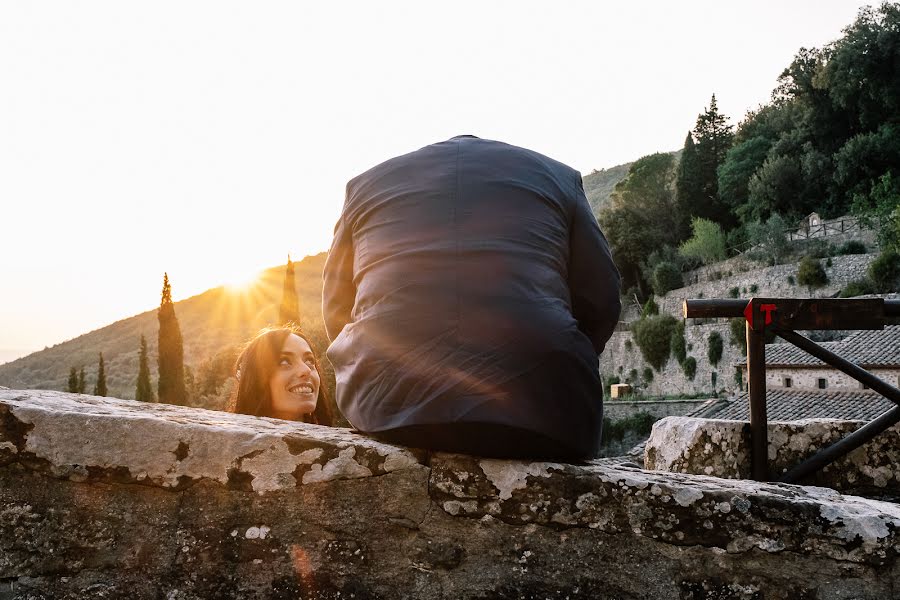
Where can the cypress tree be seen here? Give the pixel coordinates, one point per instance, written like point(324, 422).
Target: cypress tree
point(170, 386)
point(81, 384)
point(714, 136)
point(100, 388)
point(290, 306)
point(688, 188)
point(144, 391)
point(73, 381)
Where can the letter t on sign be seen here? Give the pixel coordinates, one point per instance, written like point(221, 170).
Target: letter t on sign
point(766, 309)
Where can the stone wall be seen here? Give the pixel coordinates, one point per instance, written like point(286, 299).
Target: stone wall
point(105, 498)
point(617, 359)
point(722, 448)
point(616, 410)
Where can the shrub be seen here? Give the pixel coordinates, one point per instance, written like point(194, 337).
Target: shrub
point(650, 308)
point(647, 375)
point(628, 345)
point(858, 287)
point(679, 349)
point(790, 279)
point(739, 378)
point(811, 274)
point(885, 272)
point(715, 348)
point(754, 288)
point(828, 262)
point(738, 329)
point(666, 276)
point(640, 423)
point(632, 376)
point(852, 247)
point(734, 292)
point(818, 249)
point(653, 336)
point(689, 366)
point(707, 244)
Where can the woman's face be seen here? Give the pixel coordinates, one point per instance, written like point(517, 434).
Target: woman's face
point(295, 383)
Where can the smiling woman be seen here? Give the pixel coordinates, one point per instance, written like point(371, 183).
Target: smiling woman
point(279, 376)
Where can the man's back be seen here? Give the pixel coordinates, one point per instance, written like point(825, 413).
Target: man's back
point(468, 282)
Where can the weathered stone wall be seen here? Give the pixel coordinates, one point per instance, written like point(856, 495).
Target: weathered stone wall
point(616, 410)
point(622, 354)
point(722, 448)
point(807, 379)
point(102, 498)
point(618, 359)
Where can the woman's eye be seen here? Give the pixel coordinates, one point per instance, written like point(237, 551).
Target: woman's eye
point(284, 362)
point(310, 362)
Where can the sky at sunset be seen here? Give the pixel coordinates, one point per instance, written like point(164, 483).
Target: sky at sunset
point(211, 139)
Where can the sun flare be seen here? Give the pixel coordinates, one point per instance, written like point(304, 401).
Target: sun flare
point(241, 281)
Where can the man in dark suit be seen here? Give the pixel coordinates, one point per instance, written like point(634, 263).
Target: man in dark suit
point(468, 294)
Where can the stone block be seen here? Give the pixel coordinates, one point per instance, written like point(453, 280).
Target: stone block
point(619, 390)
point(722, 449)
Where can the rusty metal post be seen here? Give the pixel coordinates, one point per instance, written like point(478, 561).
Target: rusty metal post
point(756, 379)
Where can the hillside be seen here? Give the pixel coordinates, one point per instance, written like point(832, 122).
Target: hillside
point(599, 185)
point(210, 322)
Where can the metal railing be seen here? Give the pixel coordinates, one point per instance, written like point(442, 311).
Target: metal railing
point(783, 316)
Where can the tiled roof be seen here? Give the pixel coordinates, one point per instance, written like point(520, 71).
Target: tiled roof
point(879, 348)
point(794, 405)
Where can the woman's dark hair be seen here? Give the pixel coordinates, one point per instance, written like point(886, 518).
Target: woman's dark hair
point(254, 369)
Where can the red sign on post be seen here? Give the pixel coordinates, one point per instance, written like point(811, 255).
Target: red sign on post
point(766, 309)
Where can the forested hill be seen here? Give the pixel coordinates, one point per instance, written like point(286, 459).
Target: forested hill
point(599, 185)
point(828, 142)
point(212, 324)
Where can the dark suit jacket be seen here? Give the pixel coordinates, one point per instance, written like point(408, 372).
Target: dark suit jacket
point(468, 281)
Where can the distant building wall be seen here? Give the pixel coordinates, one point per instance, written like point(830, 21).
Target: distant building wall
point(808, 378)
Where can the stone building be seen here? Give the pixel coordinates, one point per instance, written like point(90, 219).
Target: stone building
point(789, 367)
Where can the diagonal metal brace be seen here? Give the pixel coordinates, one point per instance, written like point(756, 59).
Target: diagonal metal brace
point(859, 437)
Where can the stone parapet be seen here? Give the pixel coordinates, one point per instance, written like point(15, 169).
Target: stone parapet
point(722, 448)
point(105, 498)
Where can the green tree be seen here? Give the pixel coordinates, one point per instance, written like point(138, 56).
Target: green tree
point(884, 272)
point(769, 238)
point(170, 385)
point(641, 216)
point(289, 312)
point(689, 184)
point(880, 209)
point(713, 137)
point(811, 274)
point(100, 387)
point(144, 389)
point(82, 385)
point(707, 245)
point(73, 381)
